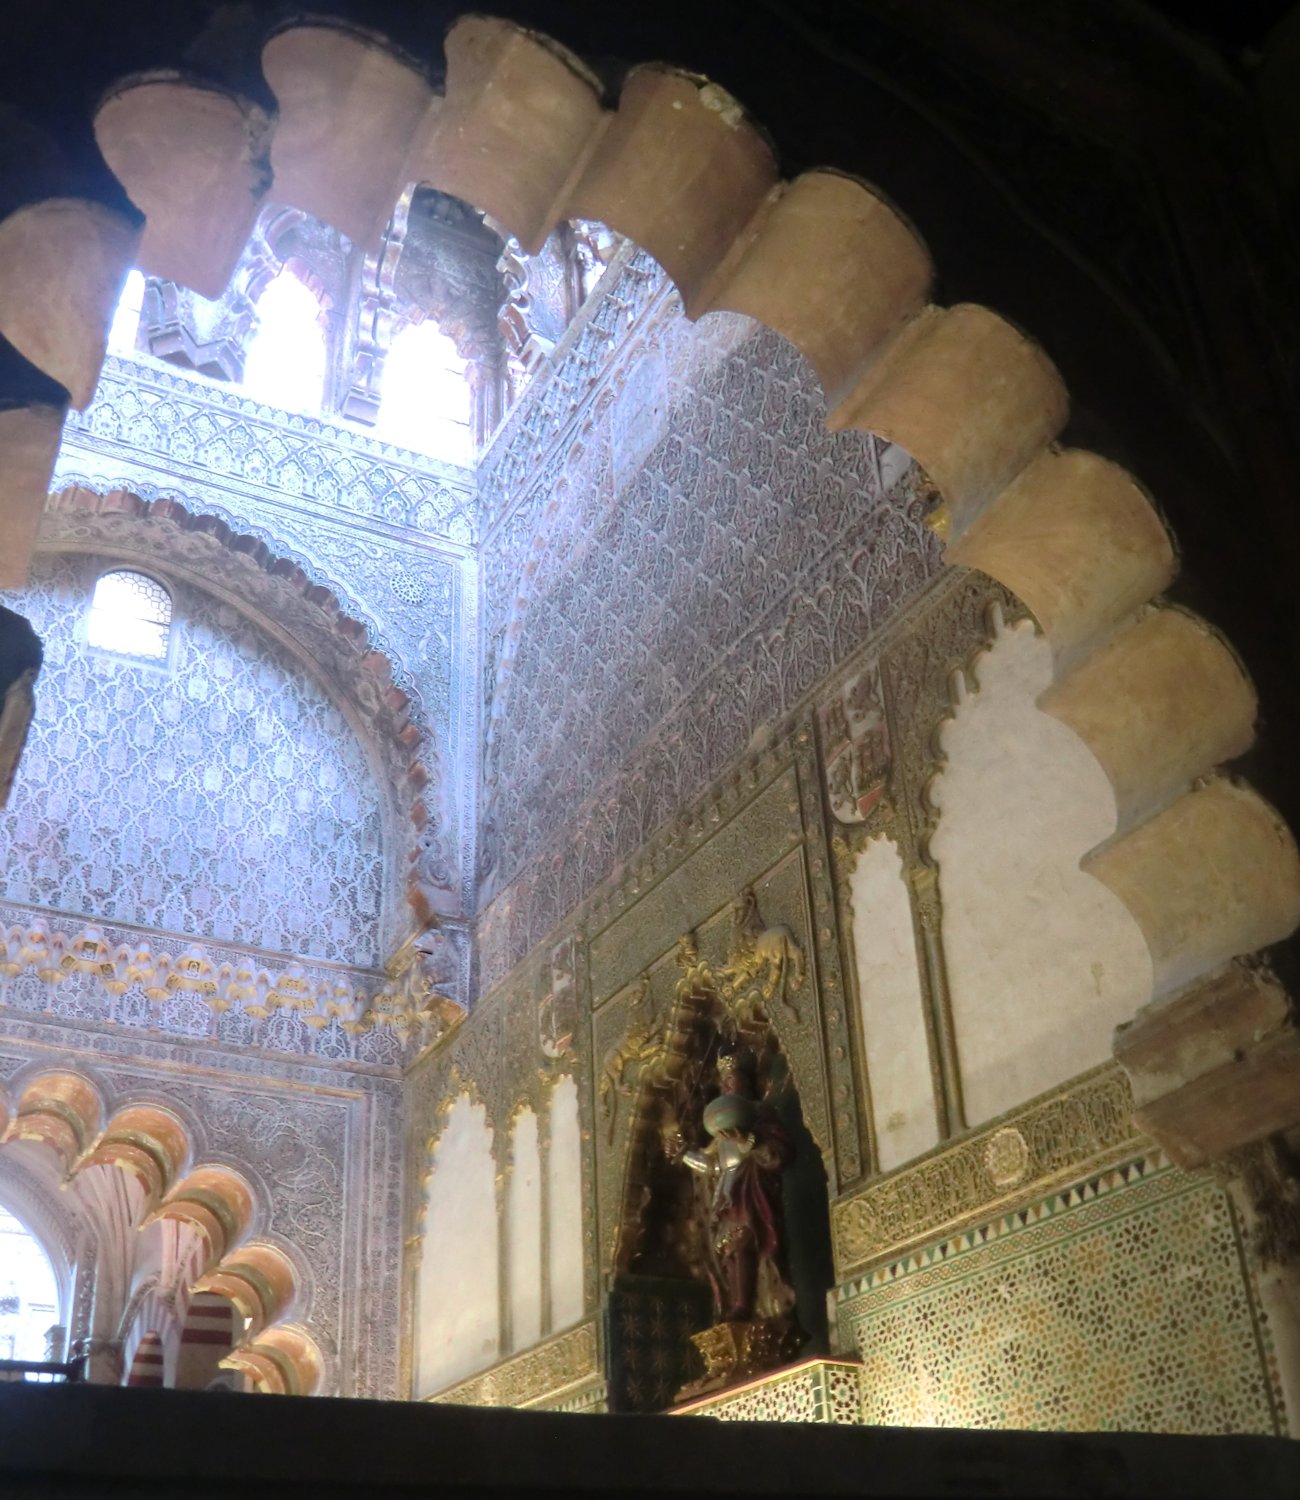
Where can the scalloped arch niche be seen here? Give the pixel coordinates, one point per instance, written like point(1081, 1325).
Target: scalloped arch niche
point(1043, 961)
point(458, 1319)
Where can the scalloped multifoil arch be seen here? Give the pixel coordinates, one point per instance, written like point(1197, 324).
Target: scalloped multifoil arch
point(1207, 868)
point(345, 651)
point(86, 1124)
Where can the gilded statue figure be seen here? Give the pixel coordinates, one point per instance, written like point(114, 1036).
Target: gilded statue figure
point(740, 1174)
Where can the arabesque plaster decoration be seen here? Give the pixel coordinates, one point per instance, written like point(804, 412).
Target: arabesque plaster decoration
point(394, 526)
point(321, 1145)
point(221, 795)
point(800, 564)
point(697, 587)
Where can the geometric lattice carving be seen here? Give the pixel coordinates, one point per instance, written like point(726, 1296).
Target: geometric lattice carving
point(746, 552)
point(534, 1378)
point(1056, 1138)
point(228, 798)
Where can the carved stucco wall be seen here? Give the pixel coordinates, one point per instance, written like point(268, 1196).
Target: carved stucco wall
point(221, 795)
point(686, 558)
point(680, 568)
point(321, 1144)
point(391, 528)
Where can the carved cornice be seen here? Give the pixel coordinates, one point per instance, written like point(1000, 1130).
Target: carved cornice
point(151, 424)
point(539, 1374)
point(1052, 1140)
point(136, 977)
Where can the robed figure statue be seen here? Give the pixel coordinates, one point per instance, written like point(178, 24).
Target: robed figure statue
point(739, 1173)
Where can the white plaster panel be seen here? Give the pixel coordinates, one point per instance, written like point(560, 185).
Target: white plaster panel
point(890, 1001)
point(524, 1233)
point(564, 1174)
point(1043, 962)
point(458, 1295)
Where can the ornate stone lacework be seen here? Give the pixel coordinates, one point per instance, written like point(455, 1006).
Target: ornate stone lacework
point(153, 425)
point(203, 992)
point(1051, 1139)
point(228, 799)
point(696, 584)
point(394, 527)
point(535, 1378)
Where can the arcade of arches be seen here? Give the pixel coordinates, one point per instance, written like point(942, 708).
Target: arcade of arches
point(703, 685)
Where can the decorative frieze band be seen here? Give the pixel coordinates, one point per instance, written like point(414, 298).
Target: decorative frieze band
point(1053, 1139)
point(243, 989)
point(153, 423)
point(536, 1375)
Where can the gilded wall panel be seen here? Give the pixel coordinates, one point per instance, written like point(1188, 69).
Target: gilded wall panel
point(752, 896)
point(567, 1365)
point(1054, 1139)
point(724, 857)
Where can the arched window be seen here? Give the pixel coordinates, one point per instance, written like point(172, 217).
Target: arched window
point(126, 320)
point(130, 614)
point(284, 364)
point(29, 1293)
point(425, 402)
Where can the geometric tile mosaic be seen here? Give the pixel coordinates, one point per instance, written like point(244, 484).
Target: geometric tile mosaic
point(819, 1390)
point(1120, 1304)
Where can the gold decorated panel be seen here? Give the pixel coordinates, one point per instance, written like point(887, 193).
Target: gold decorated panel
point(630, 1031)
point(1057, 1138)
point(719, 857)
point(567, 1365)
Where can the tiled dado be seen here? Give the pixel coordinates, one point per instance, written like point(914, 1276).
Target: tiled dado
point(1121, 1302)
point(816, 1390)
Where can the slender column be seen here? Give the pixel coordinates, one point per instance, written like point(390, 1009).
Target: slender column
point(505, 1330)
point(544, 1240)
point(927, 914)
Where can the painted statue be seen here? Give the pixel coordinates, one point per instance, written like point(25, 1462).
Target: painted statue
point(740, 1178)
